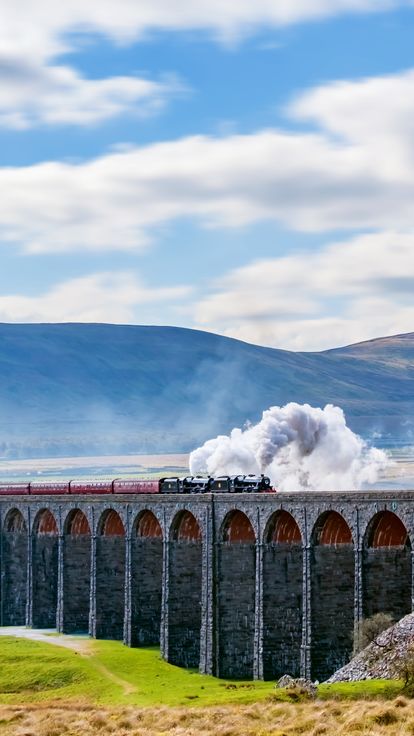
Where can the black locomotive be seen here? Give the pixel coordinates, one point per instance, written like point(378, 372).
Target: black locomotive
point(221, 484)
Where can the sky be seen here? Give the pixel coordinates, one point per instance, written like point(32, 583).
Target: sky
point(245, 168)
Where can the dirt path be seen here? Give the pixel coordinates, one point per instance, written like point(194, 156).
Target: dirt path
point(80, 644)
point(126, 686)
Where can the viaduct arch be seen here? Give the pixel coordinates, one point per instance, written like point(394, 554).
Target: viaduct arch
point(185, 581)
point(110, 576)
point(239, 586)
point(45, 538)
point(332, 594)
point(282, 596)
point(14, 554)
point(387, 566)
point(146, 579)
point(236, 596)
point(76, 573)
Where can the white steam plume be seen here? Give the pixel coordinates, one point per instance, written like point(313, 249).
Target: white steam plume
point(300, 447)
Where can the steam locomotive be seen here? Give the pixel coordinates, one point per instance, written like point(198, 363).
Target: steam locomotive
point(189, 484)
point(222, 484)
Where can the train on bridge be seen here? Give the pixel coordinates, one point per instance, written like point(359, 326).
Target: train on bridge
point(189, 484)
point(240, 585)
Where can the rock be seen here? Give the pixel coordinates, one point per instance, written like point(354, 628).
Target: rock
point(300, 684)
point(285, 681)
point(381, 658)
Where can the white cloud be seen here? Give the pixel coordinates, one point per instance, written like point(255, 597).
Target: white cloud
point(101, 297)
point(365, 285)
point(32, 94)
point(375, 113)
point(34, 34)
point(42, 27)
point(340, 177)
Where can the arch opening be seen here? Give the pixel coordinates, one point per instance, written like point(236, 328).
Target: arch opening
point(184, 599)
point(386, 567)
point(45, 570)
point(45, 523)
point(147, 526)
point(282, 596)
point(14, 555)
point(146, 579)
point(110, 576)
point(387, 530)
point(332, 529)
point(237, 527)
point(76, 573)
point(185, 528)
point(111, 524)
point(283, 529)
point(77, 524)
point(332, 594)
point(236, 597)
point(15, 522)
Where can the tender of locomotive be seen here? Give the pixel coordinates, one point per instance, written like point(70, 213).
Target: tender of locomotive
point(189, 484)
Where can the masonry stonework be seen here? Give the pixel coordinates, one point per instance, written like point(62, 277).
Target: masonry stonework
point(45, 589)
point(332, 586)
point(76, 583)
point(110, 576)
point(242, 586)
point(235, 610)
point(282, 609)
point(184, 603)
point(386, 571)
point(146, 571)
point(15, 582)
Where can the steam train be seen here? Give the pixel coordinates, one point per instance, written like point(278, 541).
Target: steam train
point(189, 484)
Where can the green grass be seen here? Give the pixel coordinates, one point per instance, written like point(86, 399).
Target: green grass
point(364, 689)
point(112, 674)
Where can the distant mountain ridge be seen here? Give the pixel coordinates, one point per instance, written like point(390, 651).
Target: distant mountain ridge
point(100, 388)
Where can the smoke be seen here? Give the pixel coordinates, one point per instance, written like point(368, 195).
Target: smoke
point(300, 447)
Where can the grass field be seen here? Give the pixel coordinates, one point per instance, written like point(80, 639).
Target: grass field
point(105, 688)
point(106, 672)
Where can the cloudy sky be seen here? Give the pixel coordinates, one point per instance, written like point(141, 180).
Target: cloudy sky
point(241, 167)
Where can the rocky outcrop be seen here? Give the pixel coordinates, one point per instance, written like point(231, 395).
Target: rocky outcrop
point(383, 657)
point(299, 684)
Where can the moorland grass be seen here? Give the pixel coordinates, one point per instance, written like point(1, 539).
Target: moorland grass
point(320, 718)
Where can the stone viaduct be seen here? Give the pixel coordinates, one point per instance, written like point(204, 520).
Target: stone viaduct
point(240, 586)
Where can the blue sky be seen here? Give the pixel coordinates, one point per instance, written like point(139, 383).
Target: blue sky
point(243, 168)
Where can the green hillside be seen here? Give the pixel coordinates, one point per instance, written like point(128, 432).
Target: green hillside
point(106, 672)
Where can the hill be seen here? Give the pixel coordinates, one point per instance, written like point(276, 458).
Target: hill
point(98, 388)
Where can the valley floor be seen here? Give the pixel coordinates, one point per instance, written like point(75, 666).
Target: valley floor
point(398, 475)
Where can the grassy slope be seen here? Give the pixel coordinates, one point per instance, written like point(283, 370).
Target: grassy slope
point(112, 674)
